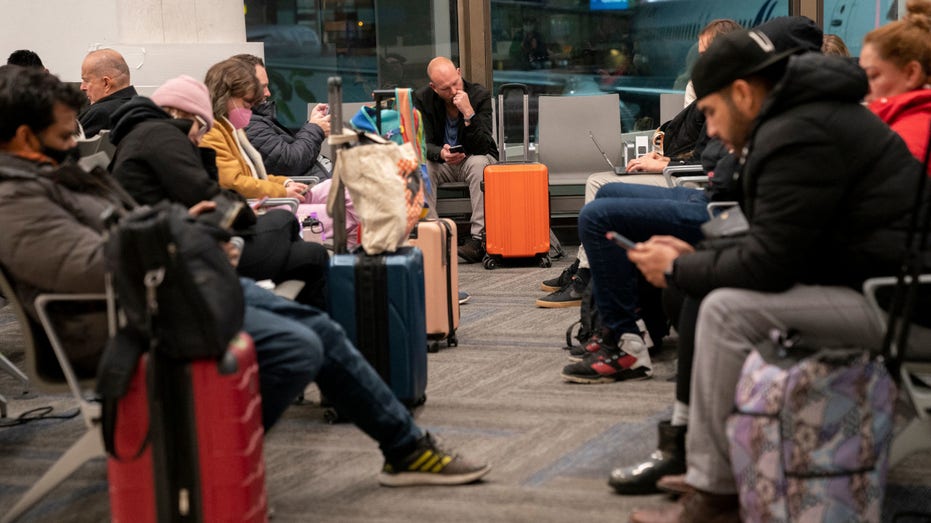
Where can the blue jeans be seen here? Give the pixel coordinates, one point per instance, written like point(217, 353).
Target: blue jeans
point(296, 344)
point(637, 212)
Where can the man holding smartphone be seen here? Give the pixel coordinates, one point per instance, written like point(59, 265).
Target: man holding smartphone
point(457, 125)
point(827, 192)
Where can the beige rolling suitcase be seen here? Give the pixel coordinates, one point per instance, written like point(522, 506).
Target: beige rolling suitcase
point(437, 240)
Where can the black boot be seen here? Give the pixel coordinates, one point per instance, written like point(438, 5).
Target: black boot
point(667, 459)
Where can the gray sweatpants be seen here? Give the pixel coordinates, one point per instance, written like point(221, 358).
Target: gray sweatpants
point(471, 171)
point(730, 323)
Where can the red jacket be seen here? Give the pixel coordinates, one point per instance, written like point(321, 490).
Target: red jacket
point(908, 114)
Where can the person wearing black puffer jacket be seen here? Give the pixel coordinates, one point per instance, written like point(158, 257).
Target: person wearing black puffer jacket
point(827, 189)
point(284, 152)
point(157, 159)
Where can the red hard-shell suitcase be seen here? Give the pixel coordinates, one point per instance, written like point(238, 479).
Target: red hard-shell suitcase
point(437, 240)
point(203, 459)
point(517, 202)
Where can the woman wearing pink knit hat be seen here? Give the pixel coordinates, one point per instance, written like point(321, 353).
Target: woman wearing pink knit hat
point(157, 158)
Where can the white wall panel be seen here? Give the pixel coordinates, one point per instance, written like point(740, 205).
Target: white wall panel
point(160, 39)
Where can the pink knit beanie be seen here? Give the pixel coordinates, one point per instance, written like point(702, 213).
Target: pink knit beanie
point(187, 94)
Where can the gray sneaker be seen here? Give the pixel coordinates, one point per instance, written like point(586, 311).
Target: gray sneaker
point(431, 465)
point(559, 282)
point(568, 296)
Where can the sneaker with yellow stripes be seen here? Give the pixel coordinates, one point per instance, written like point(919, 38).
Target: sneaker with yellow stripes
point(430, 465)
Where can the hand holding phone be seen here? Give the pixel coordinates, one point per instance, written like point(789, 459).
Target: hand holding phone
point(620, 240)
point(256, 205)
point(456, 149)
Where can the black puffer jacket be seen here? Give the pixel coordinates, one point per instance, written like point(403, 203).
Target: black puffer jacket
point(154, 158)
point(283, 152)
point(826, 188)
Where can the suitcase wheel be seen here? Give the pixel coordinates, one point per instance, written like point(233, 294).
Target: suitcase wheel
point(433, 346)
point(489, 263)
point(452, 341)
point(545, 262)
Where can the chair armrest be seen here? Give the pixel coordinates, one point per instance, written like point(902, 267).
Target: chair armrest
point(308, 180)
point(291, 203)
point(674, 171)
point(699, 181)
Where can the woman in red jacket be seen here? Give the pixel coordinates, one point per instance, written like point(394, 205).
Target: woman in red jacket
point(897, 61)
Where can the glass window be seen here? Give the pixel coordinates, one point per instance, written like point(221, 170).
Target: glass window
point(852, 19)
point(370, 44)
point(639, 49)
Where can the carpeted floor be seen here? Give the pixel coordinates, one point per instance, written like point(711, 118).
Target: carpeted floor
point(497, 397)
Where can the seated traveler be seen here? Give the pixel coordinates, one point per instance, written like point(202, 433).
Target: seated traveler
point(285, 152)
point(234, 89)
point(823, 216)
point(105, 80)
point(684, 139)
point(457, 112)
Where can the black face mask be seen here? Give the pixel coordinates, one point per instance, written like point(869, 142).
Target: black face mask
point(61, 155)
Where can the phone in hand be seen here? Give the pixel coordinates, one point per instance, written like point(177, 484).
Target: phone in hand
point(456, 149)
point(257, 204)
point(620, 240)
point(224, 214)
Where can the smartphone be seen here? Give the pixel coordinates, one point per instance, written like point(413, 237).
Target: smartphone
point(257, 204)
point(621, 241)
point(456, 149)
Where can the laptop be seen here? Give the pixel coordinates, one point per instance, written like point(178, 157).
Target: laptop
point(619, 170)
point(616, 169)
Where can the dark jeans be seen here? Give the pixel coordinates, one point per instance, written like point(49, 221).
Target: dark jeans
point(637, 212)
point(297, 344)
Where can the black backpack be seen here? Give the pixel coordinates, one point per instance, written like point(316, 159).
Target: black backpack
point(177, 291)
point(589, 321)
point(174, 283)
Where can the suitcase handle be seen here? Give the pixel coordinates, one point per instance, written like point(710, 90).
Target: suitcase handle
point(502, 150)
point(514, 86)
point(335, 101)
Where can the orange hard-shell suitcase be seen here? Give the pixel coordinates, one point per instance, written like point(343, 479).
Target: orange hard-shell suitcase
point(437, 240)
point(517, 202)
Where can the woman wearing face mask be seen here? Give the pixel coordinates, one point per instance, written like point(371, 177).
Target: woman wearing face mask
point(897, 61)
point(157, 158)
point(234, 88)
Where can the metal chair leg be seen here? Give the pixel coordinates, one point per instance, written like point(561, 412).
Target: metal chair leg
point(7, 365)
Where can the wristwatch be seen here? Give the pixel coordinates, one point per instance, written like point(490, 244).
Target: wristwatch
point(468, 119)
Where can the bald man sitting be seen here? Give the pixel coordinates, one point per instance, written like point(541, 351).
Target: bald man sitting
point(105, 81)
point(457, 112)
